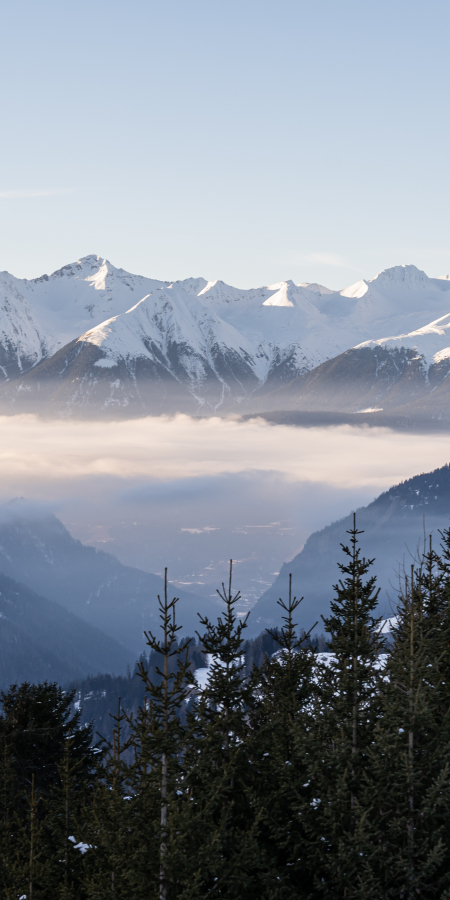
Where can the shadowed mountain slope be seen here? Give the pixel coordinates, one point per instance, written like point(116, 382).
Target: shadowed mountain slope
point(394, 381)
point(40, 640)
point(38, 550)
point(393, 528)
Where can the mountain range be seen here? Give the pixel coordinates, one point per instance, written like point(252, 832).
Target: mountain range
point(93, 340)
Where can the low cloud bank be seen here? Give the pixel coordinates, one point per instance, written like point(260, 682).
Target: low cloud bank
point(190, 493)
point(180, 447)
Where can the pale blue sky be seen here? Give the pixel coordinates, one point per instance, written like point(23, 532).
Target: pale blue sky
point(248, 140)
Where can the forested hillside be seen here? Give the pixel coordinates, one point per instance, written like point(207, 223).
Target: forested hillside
point(314, 775)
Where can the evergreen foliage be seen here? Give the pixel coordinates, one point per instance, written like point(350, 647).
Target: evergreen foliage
point(107, 823)
point(281, 717)
point(221, 828)
point(341, 735)
point(290, 774)
point(410, 766)
point(48, 763)
point(158, 741)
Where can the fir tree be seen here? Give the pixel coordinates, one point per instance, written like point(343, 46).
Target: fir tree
point(65, 826)
point(158, 739)
point(410, 774)
point(281, 718)
point(220, 815)
point(108, 823)
point(435, 585)
point(36, 725)
point(6, 813)
point(340, 739)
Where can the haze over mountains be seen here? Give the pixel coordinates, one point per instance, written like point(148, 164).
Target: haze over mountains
point(393, 524)
point(38, 552)
point(68, 610)
point(40, 640)
point(92, 340)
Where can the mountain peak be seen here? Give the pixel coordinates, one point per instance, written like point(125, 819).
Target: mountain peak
point(406, 274)
point(355, 291)
point(208, 343)
point(314, 286)
point(281, 295)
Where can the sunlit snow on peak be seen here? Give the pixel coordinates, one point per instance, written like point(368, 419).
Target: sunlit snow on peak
point(98, 280)
point(207, 328)
point(208, 287)
point(280, 297)
point(356, 290)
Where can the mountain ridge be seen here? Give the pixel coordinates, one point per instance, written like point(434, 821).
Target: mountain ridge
point(121, 601)
point(40, 640)
point(194, 345)
point(392, 527)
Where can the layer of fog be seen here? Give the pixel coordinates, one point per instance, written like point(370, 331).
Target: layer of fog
point(190, 494)
point(168, 448)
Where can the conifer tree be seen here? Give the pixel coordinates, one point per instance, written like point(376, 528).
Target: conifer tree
point(221, 818)
point(281, 718)
point(341, 736)
point(158, 740)
point(436, 569)
point(6, 814)
point(34, 729)
point(29, 860)
point(35, 723)
point(65, 826)
point(435, 586)
point(107, 822)
point(410, 773)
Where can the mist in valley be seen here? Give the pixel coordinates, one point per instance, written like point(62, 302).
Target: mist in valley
point(190, 494)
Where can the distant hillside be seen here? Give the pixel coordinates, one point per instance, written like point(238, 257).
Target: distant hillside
point(383, 381)
point(39, 640)
point(393, 528)
point(38, 551)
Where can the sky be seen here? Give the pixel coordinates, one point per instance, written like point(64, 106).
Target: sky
point(252, 141)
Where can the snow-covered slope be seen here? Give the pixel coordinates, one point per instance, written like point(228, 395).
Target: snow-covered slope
point(22, 342)
point(76, 297)
point(431, 343)
point(94, 336)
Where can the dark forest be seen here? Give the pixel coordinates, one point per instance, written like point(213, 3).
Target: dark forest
point(291, 773)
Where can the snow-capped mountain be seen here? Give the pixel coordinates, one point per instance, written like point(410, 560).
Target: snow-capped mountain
point(430, 343)
point(94, 338)
point(404, 372)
